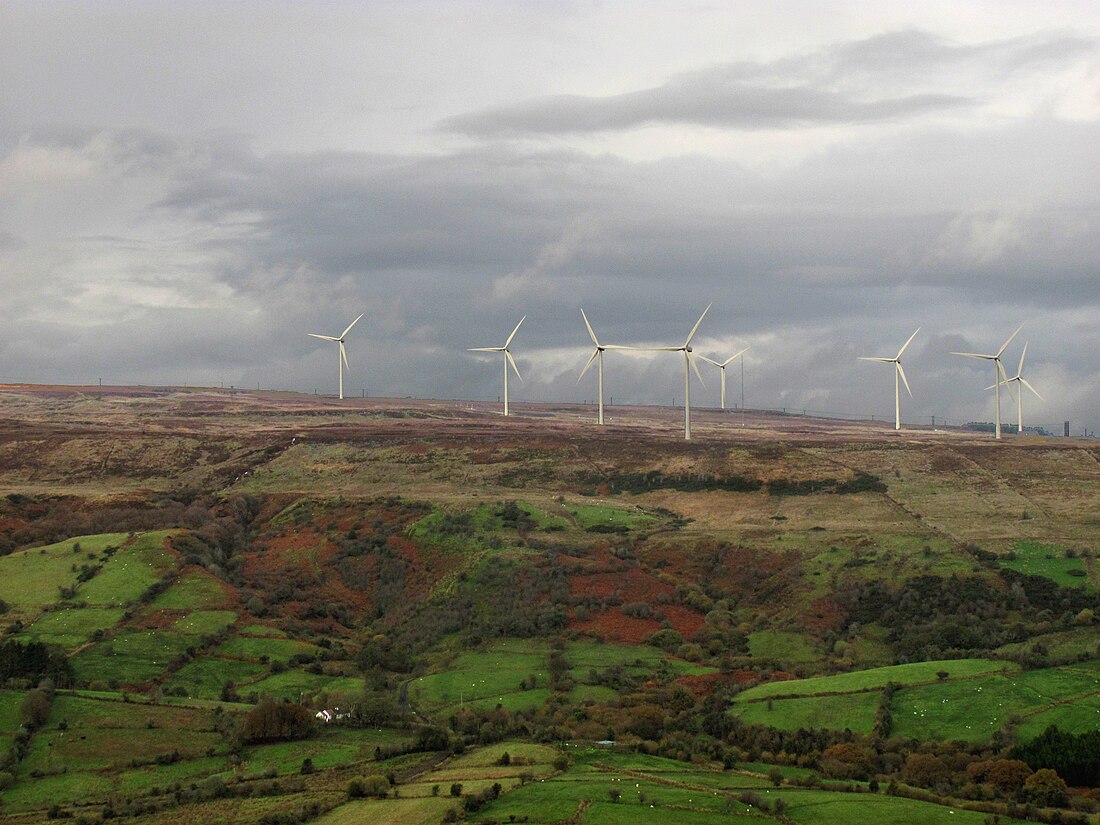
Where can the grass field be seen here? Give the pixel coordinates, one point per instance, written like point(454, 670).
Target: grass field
point(72, 626)
point(489, 675)
point(131, 657)
point(205, 677)
point(876, 678)
point(255, 647)
point(589, 516)
point(291, 684)
point(973, 710)
point(192, 591)
point(32, 578)
point(1035, 558)
point(129, 572)
point(781, 646)
point(852, 711)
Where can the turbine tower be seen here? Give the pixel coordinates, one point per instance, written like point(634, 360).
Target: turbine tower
point(689, 364)
point(998, 374)
point(597, 355)
point(722, 367)
point(342, 354)
point(1021, 382)
point(508, 359)
point(899, 373)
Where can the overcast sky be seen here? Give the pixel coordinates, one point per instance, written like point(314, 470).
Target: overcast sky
point(188, 188)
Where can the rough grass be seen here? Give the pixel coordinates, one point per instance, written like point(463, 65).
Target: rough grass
point(205, 677)
point(589, 516)
point(204, 622)
point(129, 572)
point(875, 678)
point(972, 710)
point(292, 683)
point(194, 590)
point(779, 645)
point(854, 711)
point(254, 648)
point(131, 657)
point(31, 578)
point(1049, 561)
point(71, 626)
point(487, 675)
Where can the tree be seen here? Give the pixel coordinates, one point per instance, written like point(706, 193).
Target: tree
point(1046, 787)
point(925, 769)
point(272, 721)
point(35, 709)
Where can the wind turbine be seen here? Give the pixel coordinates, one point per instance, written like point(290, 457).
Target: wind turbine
point(688, 362)
point(508, 359)
point(998, 373)
point(343, 356)
point(722, 367)
point(899, 373)
point(597, 355)
point(1019, 379)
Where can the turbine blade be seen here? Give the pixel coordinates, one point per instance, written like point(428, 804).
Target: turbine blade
point(1023, 355)
point(904, 380)
point(975, 355)
point(735, 355)
point(618, 346)
point(1009, 340)
point(1024, 381)
point(653, 349)
point(911, 337)
point(872, 358)
point(353, 323)
point(595, 352)
point(590, 332)
point(695, 367)
point(709, 361)
point(695, 328)
point(322, 337)
point(344, 356)
point(485, 349)
point(513, 335)
point(512, 361)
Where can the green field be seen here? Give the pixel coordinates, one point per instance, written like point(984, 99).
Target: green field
point(852, 711)
point(205, 677)
point(488, 675)
point(781, 646)
point(32, 578)
point(194, 590)
point(876, 678)
point(131, 657)
point(604, 516)
point(129, 572)
point(71, 626)
point(1048, 560)
point(972, 710)
point(255, 647)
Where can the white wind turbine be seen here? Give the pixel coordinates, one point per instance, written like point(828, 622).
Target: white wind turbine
point(722, 367)
point(899, 373)
point(508, 359)
point(597, 355)
point(1022, 382)
point(342, 355)
point(688, 363)
point(998, 374)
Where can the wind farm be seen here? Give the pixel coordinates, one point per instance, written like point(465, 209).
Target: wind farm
point(899, 375)
point(999, 375)
point(507, 358)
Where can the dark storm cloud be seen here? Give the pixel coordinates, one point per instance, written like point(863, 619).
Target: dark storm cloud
point(846, 84)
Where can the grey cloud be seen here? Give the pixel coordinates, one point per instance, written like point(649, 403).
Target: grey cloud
point(893, 76)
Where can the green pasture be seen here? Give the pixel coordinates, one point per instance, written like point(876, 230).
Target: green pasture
point(131, 657)
point(851, 711)
point(129, 572)
point(254, 648)
point(1078, 716)
point(112, 748)
point(80, 711)
point(263, 631)
point(332, 747)
point(63, 789)
point(875, 678)
point(205, 677)
point(972, 710)
point(192, 591)
point(489, 674)
point(807, 807)
point(1034, 558)
point(404, 811)
point(590, 516)
point(204, 622)
point(1065, 643)
point(149, 777)
point(543, 520)
point(71, 627)
point(291, 684)
point(585, 656)
point(783, 646)
point(32, 578)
